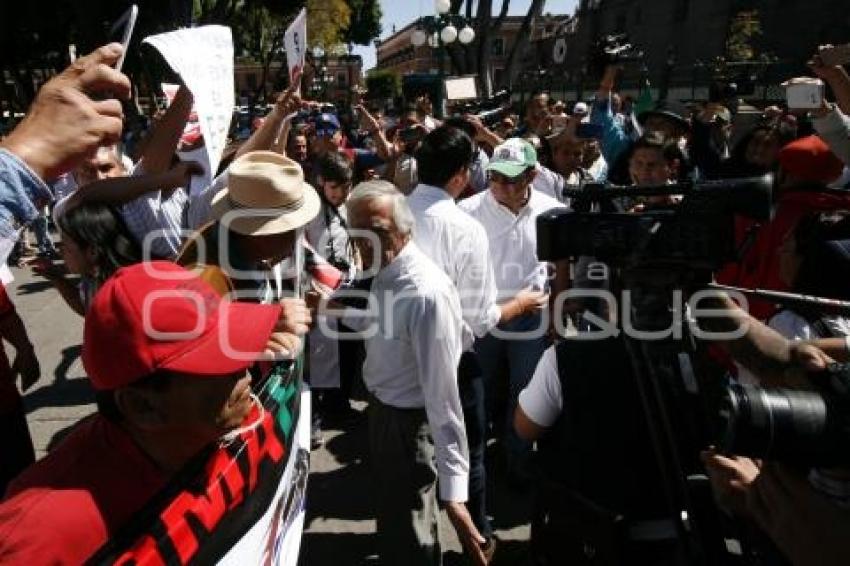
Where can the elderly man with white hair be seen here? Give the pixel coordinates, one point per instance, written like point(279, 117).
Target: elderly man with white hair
point(412, 355)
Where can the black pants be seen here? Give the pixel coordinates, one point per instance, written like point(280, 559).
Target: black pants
point(471, 387)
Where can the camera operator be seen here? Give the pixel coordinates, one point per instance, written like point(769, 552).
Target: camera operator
point(808, 521)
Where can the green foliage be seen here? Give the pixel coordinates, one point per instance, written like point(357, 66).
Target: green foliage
point(383, 84)
point(365, 22)
point(744, 30)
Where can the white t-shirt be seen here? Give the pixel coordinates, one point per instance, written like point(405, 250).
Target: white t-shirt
point(542, 399)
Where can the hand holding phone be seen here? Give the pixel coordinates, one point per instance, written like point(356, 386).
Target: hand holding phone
point(122, 31)
point(835, 56)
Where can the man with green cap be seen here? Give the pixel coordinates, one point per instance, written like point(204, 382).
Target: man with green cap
point(508, 210)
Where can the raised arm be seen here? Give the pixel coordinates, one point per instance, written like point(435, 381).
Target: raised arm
point(836, 77)
point(269, 133)
point(385, 149)
point(165, 135)
point(120, 190)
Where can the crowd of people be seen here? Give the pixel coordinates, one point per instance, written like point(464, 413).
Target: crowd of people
point(415, 240)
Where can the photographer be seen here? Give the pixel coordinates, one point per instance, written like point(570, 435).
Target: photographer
point(808, 521)
point(831, 121)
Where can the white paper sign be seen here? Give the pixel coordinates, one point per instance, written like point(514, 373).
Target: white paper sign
point(295, 43)
point(203, 57)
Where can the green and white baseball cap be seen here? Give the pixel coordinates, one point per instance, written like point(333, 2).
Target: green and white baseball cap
point(513, 158)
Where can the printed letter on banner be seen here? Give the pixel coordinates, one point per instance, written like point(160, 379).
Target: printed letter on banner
point(295, 42)
point(203, 57)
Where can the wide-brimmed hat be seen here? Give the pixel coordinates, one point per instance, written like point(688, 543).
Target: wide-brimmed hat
point(266, 194)
point(674, 111)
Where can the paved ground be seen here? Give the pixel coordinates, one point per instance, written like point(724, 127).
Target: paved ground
point(340, 529)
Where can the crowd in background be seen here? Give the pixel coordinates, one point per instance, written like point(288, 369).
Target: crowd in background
point(439, 212)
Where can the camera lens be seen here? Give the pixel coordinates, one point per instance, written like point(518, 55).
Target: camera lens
point(776, 424)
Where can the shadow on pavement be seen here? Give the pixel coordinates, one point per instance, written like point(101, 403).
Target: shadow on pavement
point(34, 287)
point(63, 392)
point(337, 549)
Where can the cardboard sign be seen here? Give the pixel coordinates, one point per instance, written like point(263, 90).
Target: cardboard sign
point(203, 57)
point(295, 42)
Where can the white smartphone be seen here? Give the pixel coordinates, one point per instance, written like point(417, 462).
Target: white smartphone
point(804, 96)
point(122, 31)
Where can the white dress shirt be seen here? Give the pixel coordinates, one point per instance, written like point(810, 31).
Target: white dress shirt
point(513, 240)
point(458, 244)
point(412, 359)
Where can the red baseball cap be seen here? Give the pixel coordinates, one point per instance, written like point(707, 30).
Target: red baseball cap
point(810, 159)
point(159, 316)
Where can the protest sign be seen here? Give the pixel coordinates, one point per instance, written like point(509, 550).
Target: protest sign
point(203, 57)
point(295, 42)
point(241, 503)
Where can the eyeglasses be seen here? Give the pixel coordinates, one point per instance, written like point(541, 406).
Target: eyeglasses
point(500, 179)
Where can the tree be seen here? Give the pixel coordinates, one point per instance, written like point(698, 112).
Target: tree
point(523, 41)
point(326, 21)
point(744, 29)
point(383, 84)
point(365, 24)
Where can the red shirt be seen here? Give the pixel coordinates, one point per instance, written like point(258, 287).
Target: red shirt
point(66, 506)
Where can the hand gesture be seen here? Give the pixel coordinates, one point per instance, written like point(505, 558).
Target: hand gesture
point(66, 123)
point(371, 122)
point(827, 73)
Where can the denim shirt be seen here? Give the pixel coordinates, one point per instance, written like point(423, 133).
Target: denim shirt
point(615, 140)
point(20, 189)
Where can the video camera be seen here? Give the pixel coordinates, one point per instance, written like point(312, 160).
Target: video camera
point(489, 110)
point(613, 50)
point(805, 427)
point(697, 233)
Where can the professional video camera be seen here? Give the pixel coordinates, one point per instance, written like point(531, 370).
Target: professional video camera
point(810, 428)
point(697, 233)
point(613, 50)
point(489, 110)
point(667, 388)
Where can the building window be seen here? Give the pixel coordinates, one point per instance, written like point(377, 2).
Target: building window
point(497, 47)
point(252, 80)
point(682, 9)
point(342, 80)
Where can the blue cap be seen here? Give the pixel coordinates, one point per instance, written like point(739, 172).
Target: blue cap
point(327, 125)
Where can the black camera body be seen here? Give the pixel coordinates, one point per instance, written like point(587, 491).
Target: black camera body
point(696, 233)
point(804, 427)
point(490, 110)
point(614, 50)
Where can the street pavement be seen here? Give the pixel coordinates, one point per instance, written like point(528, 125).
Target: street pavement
point(339, 528)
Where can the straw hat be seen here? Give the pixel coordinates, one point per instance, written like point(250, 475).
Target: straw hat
point(266, 194)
